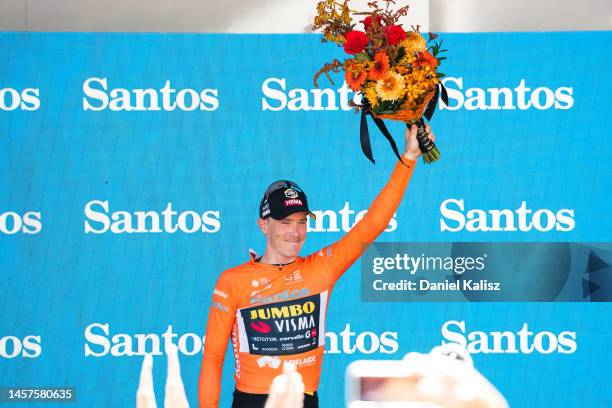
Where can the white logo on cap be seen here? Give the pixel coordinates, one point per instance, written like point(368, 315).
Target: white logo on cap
point(265, 210)
point(293, 201)
point(291, 193)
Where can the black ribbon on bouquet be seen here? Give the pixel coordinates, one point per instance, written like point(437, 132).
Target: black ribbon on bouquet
point(364, 133)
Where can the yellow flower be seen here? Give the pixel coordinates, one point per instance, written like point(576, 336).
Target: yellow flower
point(413, 91)
point(391, 86)
point(407, 60)
point(414, 42)
point(417, 75)
point(370, 94)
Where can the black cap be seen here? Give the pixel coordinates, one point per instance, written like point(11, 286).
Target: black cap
point(283, 198)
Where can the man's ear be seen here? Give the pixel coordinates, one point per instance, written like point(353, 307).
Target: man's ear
point(263, 225)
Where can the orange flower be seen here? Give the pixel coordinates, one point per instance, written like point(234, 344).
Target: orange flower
point(414, 42)
point(401, 69)
point(355, 79)
point(425, 58)
point(380, 66)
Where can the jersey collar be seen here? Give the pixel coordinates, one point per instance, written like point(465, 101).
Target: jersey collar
point(253, 256)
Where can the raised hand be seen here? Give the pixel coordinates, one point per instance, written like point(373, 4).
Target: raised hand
point(412, 151)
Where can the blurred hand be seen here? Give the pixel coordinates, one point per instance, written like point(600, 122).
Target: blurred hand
point(175, 391)
point(287, 390)
point(145, 396)
point(412, 151)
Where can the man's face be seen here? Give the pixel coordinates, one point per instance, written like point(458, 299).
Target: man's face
point(285, 237)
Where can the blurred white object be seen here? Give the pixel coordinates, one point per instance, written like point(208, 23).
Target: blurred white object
point(197, 16)
point(445, 377)
point(278, 16)
point(519, 15)
point(175, 391)
point(454, 351)
point(145, 396)
point(287, 390)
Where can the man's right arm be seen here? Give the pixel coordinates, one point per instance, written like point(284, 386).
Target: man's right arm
point(218, 330)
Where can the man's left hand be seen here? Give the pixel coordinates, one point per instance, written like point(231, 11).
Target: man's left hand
point(412, 151)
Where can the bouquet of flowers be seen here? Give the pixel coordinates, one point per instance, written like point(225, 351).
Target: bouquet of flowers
point(395, 70)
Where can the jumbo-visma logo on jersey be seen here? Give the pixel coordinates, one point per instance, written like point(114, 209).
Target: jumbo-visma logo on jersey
point(291, 327)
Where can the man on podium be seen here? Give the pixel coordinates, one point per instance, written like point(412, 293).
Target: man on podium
point(273, 307)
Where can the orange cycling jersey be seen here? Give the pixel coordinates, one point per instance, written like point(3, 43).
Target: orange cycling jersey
point(276, 314)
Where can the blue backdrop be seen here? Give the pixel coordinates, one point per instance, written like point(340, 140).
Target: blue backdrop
point(95, 128)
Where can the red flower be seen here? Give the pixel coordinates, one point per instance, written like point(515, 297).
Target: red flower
point(395, 34)
point(367, 22)
point(425, 58)
point(355, 42)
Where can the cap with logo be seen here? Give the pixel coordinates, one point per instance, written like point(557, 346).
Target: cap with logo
point(283, 198)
